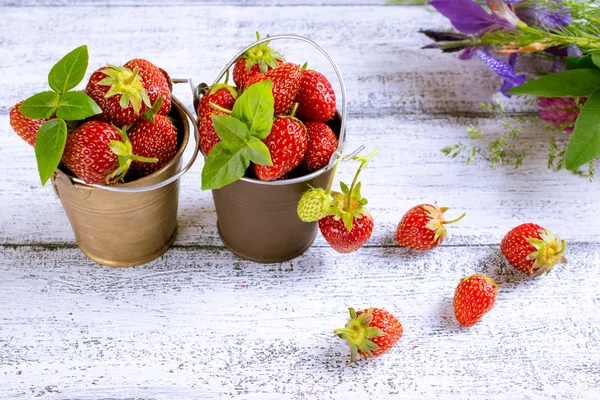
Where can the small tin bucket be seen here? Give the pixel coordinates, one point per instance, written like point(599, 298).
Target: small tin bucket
point(134, 223)
point(257, 220)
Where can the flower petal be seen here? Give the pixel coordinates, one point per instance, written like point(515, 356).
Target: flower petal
point(466, 15)
point(541, 16)
point(505, 70)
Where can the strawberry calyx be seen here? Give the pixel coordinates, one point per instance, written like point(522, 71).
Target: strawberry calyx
point(437, 222)
point(350, 204)
point(127, 83)
point(548, 252)
point(358, 333)
point(151, 112)
point(261, 55)
point(124, 150)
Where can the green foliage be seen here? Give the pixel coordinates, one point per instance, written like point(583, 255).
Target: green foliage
point(241, 133)
point(584, 145)
point(577, 82)
point(67, 105)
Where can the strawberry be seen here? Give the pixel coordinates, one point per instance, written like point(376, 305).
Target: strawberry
point(371, 332)
point(322, 143)
point(532, 249)
point(342, 239)
point(93, 151)
point(156, 139)
point(423, 227)
point(154, 81)
point(473, 298)
point(349, 224)
point(25, 127)
point(120, 94)
point(286, 83)
point(313, 205)
point(215, 101)
point(256, 61)
point(287, 144)
point(316, 98)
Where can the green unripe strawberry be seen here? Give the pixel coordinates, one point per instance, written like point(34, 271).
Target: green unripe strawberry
point(313, 205)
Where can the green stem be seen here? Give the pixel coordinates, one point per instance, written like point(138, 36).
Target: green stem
point(333, 176)
point(144, 159)
point(217, 107)
point(454, 220)
point(363, 163)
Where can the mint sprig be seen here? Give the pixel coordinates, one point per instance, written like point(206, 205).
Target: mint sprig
point(50, 141)
point(241, 133)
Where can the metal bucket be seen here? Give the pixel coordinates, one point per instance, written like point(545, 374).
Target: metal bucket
point(134, 223)
point(258, 220)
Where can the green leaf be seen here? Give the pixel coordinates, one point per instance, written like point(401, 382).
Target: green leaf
point(257, 152)
point(231, 131)
point(580, 62)
point(255, 109)
point(69, 71)
point(75, 106)
point(223, 166)
point(596, 59)
point(49, 146)
point(584, 145)
point(576, 82)
point(40, 106)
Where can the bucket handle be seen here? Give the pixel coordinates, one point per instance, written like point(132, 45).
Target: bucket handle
point(168, 181)
point(342, 138)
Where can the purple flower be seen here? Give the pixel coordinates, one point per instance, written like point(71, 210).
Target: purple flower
point(505, 70)
point(542, 16)
point(469, 17)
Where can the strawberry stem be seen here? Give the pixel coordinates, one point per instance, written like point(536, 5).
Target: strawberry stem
point(453, 220)
point(293, 110)
point(217, 107)
point(363, 164)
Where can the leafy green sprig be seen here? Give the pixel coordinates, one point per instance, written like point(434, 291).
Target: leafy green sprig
point(241, 135)
point(64, 104)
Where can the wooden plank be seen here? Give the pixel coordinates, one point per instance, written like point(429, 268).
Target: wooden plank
point(188, 3)
point(377, 49)
point(200, 323)
point(409, 170)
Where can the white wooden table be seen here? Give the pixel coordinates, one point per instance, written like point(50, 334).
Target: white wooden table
point(199, 323)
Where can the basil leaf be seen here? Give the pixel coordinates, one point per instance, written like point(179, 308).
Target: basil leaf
point(49, 146)
point(223, 166)
point(255, 109)
point(580, 62)
point(75, 106)
point(575, 82)
point(69, 71)
point(40, 106)
point(231, 131)
point(584, 145)
point(257, 152)
point(596, 59)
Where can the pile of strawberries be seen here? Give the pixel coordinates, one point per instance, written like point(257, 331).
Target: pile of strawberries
point(301, 140)
point(130, 136)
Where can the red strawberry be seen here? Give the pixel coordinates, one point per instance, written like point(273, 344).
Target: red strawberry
point(532, 249)
point(287, 144)
point(371, 332)
point(258, 60)
point(154, 81)
point(149, 139)
point(316, 98)
point(322, 143)
point(349, 224)
point(25, 127)
point(241, 73)
point(343, 240)
point(474, 297)
point(286, 83)
point(423, 227)
point(120, 94)
point(221, 96)
point(90, 153)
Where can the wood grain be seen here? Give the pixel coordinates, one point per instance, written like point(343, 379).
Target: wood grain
point(199, 322)
point(377, 49)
